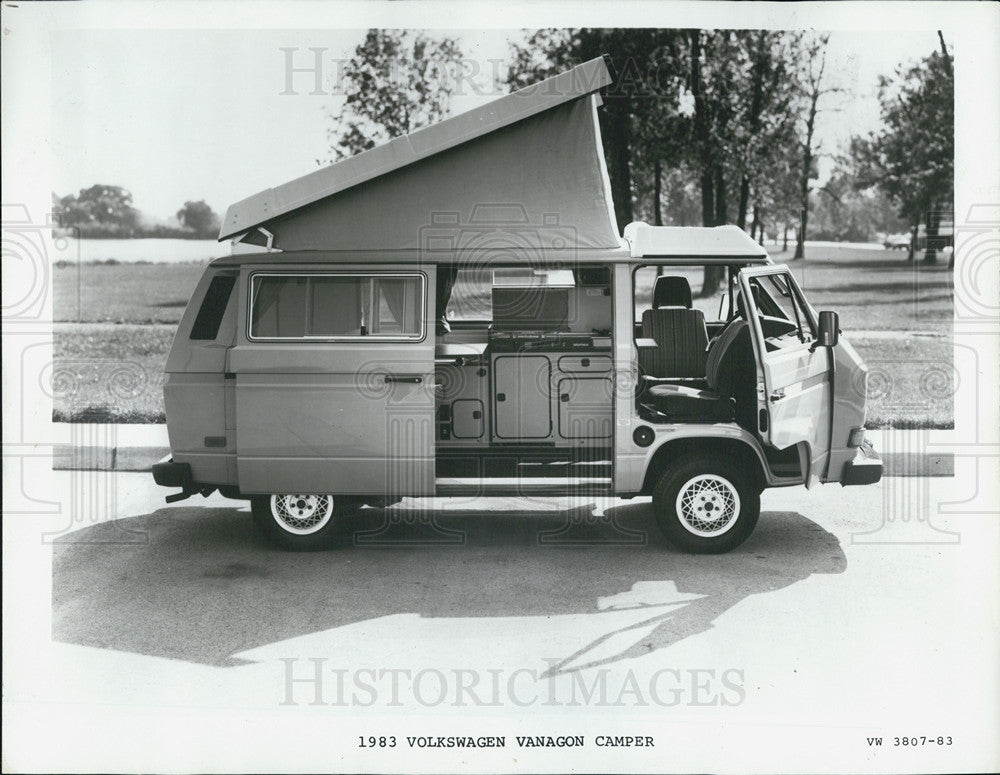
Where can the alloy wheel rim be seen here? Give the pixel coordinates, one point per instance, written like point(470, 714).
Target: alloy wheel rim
point(302, 514)
point(708, 505)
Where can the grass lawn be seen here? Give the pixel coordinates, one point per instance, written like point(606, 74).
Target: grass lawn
point(911, 382)
point(123, 293)
point(109, 373)
point(115, 323)
point(876, 290)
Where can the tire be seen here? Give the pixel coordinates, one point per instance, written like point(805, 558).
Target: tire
point(706, 506)
point(302, 523)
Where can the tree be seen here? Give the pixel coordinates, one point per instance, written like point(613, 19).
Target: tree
point(815, 89)
point(643, 86)
point(199, 217)
point(844, 210)
point(912, 157)
point(745, 93)
point(680, 123)
point(396, 82)
point(100, 205)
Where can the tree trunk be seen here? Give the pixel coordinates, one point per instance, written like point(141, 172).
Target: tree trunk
point(784, 248)
point(914, 230)
point(743, 203)
point(702, 134)
point(756, 226)
point(944, 54)
point(618, 147)
point(707, 199)
point(715, 274)
point(709, 191)
point(931, 238)
point(948, 70)
point(800, 235)
point(756, 107)
point(657, 190)
point(807, 159)
point(721, 205)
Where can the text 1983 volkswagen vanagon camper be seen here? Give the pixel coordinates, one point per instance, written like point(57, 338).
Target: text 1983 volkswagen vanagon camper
point(454, 313)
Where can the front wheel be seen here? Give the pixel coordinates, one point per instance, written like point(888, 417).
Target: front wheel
point(301, 522)
point(706, 506)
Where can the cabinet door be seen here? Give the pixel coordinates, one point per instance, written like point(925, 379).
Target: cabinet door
point(585, 363)
point(521, 397)
point(585, 408)
point(467, 419)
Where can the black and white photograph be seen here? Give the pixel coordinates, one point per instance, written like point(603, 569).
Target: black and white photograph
point(547, 387)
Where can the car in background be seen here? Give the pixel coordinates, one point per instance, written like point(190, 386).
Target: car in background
point(896, 241)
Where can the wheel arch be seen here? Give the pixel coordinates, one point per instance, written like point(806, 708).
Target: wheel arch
point(744, 453)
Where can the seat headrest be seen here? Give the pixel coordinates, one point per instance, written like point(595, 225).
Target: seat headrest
point(671, 291)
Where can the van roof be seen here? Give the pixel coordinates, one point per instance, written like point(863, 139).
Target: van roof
point(666, 244)
point(647, 241)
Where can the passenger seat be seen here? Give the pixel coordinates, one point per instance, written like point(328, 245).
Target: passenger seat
point(679, 331)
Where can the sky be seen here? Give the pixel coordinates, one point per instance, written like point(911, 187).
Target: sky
point(186, 114)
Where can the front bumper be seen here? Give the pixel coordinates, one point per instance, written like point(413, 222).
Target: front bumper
point(866, 468)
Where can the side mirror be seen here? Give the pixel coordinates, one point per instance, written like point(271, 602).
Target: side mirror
point(829, 329)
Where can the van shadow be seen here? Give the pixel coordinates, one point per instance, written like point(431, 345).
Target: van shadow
point(204, 586)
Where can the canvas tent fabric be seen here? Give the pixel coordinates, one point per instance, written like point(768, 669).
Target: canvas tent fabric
point(524, 172)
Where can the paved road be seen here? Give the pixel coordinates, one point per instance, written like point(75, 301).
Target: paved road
point(831, 624)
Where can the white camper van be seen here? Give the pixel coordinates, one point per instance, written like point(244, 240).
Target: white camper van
point(454, 313)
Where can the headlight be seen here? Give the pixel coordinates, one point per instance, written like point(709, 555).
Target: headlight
point(857, 437)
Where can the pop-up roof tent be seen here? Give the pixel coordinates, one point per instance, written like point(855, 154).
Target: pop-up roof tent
point(529, 160)
point(524, 173)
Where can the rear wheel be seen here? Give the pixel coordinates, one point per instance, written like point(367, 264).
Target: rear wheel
point(706, 506)
point(302, 522)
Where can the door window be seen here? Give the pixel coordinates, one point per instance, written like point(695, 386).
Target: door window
point(781, 310)
point(334, 306)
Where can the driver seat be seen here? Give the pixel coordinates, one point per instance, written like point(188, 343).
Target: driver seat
point(731, 376)
point(678, 330)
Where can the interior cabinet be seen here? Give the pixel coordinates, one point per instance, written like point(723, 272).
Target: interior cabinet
point(555, 398)
point(462, 403)
point(522, 400)
point(585, 407)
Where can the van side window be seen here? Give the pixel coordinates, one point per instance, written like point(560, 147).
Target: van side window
point(206, 324)
point(336, 306)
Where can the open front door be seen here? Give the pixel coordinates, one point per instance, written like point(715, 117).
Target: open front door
point(794, 386)
point(334, 380)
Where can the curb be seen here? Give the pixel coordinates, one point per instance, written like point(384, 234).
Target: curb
point(137, 447)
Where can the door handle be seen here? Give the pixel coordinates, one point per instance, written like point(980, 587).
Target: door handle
point(777, 395)
point(409, 379)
